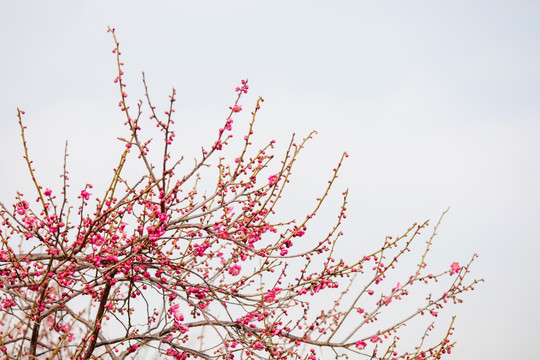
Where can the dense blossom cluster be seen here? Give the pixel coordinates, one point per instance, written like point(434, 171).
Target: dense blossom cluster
point(158, 267)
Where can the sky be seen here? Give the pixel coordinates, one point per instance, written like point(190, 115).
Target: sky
point(436, 102)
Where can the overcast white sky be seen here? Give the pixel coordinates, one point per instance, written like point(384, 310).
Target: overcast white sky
point(437, 102)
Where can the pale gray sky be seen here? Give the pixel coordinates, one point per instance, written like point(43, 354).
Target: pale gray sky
point(437, 102)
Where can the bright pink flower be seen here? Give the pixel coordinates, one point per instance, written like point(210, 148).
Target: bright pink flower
point(22, 206)
point(183, 329)
point(85, 194)
point(8, 303)
point(48, 192)
point(244, 87)
point(272, 180)
point(271, 295)
point(178, 316)
point(236, 108)
point(360, 345)
point(299, 233)
point(235, 269)
point(454, 268)
point(132, 348)
point(374, 339)
point(228, 125)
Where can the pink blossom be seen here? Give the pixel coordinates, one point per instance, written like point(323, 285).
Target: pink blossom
point(21, 207)
point(374, 338)
point(454, 268)
point(236, 108)
point(235, 269)
point(271, 295)
point(8, 303)
point(244, 87)
point(178, 316)
point(132, 348)
point(85, 195)
point(228, 125)
point(360, 345)
point(272, 180)
point(48, 192)
point(183, 329)
point(299, 233)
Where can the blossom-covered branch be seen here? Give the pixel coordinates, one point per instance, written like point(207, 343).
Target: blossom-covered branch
point(158, 266)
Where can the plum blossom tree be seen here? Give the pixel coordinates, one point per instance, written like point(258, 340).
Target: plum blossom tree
point(156, 267)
